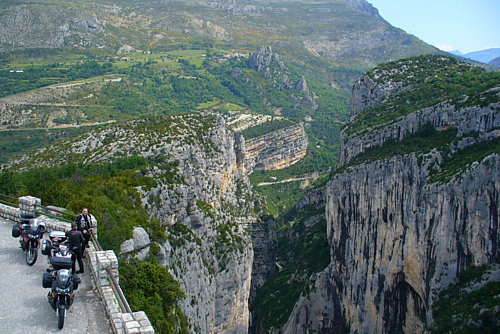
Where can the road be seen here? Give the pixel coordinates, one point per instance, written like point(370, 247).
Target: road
point(23, 301)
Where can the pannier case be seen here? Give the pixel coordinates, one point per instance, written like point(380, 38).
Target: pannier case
point(60, 262)
point(16, 231)
point(46, 246)
point(47, 280)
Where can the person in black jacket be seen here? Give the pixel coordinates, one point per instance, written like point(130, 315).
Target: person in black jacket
point(76, 242)
point(86, 223)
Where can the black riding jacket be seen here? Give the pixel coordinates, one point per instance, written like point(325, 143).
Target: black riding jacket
point(75, 239)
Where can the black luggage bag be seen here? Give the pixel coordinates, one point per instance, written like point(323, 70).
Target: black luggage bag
point(16, 231)
point(59, 262)
point(47, 280)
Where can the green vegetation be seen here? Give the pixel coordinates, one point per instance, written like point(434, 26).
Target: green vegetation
point(458, 162)
point(280, 197)
point(179, 235)
point(467, 306)
point(265, 128)
point(227, 239)
point(206, 208)
point(303, 251)
point(14, 143)
point(150, 288)
point(39, 76)
point(441, 79)
point(168, 82)
point(423, 140)
point(108, 190)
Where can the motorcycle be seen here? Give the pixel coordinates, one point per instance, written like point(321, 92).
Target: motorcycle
point(58, 253)
point(62, 286)
point(30, 233)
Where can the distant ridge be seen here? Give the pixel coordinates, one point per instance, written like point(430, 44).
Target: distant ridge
point(495, 62)
point(484, 56)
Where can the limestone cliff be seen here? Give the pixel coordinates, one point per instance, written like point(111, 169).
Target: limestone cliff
point(404, 221)
point(200, 194)
point(276, 150)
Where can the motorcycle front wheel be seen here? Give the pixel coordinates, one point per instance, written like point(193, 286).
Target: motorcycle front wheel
point(61, 310)
point(31, 254)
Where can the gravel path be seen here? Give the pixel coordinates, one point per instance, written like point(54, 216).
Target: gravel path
point(23, 301)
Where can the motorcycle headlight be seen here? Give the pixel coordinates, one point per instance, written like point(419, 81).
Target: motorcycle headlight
point(61, 290)
point(33, 236)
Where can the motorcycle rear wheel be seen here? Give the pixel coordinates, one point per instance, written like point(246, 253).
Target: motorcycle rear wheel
point(31, 254)
point(61, 310)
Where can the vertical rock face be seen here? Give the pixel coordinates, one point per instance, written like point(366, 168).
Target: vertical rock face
point(396, 239)
point(398, 235)
point(278, 149)
point(207, 250)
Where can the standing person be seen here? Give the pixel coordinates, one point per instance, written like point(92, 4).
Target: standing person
point(86, 223)
point(76, 242)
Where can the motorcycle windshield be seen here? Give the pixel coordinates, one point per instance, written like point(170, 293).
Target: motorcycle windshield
point(33, 230)
point(63, 278)
point(35, 226)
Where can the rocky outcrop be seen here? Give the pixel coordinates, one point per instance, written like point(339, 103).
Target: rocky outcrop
point(140, 244)
point(262, 58)
point(208, 251)
point(365, 7)
point(48, 26)
point(397, 235)
point(396, 241)
point(267, 62)
point(301, 85)
point(368, 92)
point(276, 150)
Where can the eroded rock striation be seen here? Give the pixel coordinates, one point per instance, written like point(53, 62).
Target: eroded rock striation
point(276, 150)
point(402, 227)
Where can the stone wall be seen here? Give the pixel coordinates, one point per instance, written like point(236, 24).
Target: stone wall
point(98, 262)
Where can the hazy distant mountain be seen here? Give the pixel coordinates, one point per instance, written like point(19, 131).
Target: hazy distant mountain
point(484, 56)
point(456, 53)
point(495, 62)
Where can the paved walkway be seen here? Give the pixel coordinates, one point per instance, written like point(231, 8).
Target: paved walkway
point(23, 301)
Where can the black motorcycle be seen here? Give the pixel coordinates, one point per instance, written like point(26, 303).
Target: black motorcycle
point(29, 235)
point(62, 285)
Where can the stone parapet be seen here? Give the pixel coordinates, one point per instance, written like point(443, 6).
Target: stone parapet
point(28, 204)
point(10, 213)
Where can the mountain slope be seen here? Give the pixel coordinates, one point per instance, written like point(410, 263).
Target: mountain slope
point(336, 31)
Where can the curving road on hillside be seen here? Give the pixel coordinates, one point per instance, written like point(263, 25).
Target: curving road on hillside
point(23, 302)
